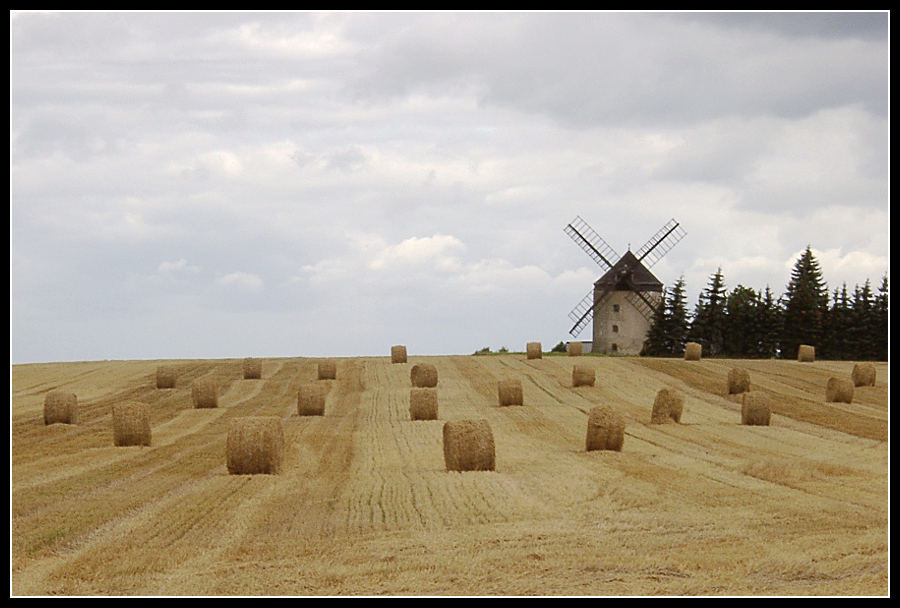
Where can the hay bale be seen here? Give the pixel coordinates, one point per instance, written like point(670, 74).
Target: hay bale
point(756, 409)
point(583, 375)
point(533, 350)
point(692, 351)
point(252, 369)
point(327, 370)
point(60, 407)
point(311, 399)
point(131, 423)
point(423, 375)
point(839, 390)
point(605, 429)
point(398, 354)
point(255, 444)
point(863, 374)
point(165, 376)
point(575, 349)
point(667, 407)
point(509, 391)
point(738, 381)
point(423, 404)
point(806, 353)
point(205, 393)
point(469, 446)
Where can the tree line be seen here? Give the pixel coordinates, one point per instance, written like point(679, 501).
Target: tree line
point(748, 323)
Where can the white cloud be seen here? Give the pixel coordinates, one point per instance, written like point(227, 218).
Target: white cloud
point(242, 281)
point(177, 267)
point(437, 253)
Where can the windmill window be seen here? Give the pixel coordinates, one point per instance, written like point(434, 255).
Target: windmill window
point(615, 308)
point(615, 329)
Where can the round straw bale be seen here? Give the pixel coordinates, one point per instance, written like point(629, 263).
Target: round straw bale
point(839, 390)
point(583, 375)
point(398, 354)
point(509, 391)
point(863, 374)
point(205, 393)
point(692, 351)
point(255, 444)
point(423, 404)
point(575, 349)
point(605, 429)
point(738, 381)
point(667, 407)
point(131, 423)
point(423, 375)
point(311, 399)
point(165, 376)
point(252, 369)
point(61, 407)
point(469, 445)
point(756, 408)
point(806, 353)
point(533, 350)
point(327, 370)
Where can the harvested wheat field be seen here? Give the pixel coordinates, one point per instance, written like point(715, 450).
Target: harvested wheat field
point(363, 504)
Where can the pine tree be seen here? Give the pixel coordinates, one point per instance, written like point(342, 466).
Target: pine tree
point(742, 330)
point(836, 343)
point(805, 306)
point(668, 328)
point(862, 327)
point(880, 338)
point(709, 316)
point(770, 322)
point(655, 344)
point(678, 321)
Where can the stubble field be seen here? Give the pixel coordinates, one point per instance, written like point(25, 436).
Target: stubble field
point(365, 506)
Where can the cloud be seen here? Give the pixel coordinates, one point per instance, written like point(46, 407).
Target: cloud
point(355, 176)
point(241, 281)
point(435, 253)
point(177, 267)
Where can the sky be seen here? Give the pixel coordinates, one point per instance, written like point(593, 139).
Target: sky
point(292, 184)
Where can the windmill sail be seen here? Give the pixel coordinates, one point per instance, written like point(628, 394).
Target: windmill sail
point(660, 243)
point(640, 303)
point(592, 243)
point(581, 314)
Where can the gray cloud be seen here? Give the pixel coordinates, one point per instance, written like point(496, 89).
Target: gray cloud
point(331, 183)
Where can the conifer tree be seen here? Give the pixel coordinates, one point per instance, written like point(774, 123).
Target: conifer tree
point(742, 330)
point(709, 316)
point(836, 343)
point(678, 321)
point(880, 338)
point(805, 306)
point(862, 330)
point(668, 330)
point(655, 343)
point(770, 321)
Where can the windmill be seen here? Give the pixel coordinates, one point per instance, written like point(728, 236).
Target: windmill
point(624, 299)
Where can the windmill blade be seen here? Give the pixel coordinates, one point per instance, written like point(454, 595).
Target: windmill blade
point(582, 314)
point(641, 303)
point(660, 244)
point(592, 243)
point(635, 296)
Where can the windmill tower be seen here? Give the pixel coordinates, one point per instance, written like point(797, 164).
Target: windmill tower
point(624, 299)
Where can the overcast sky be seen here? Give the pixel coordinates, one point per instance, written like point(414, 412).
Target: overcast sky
point(217, 185)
